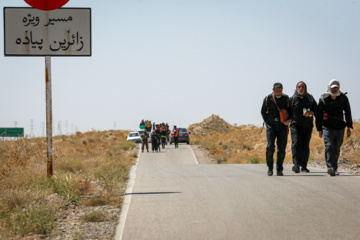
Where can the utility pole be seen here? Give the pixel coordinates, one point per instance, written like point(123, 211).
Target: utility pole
point(59, 128)
point(32, 128)
point(67, 128)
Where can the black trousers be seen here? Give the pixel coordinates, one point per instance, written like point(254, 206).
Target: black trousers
point(176, 141)
point(154, 145)
point(145, 143)
point(300, 140)
point(276, 132)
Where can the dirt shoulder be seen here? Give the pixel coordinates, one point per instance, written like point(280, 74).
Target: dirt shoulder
point(203, 155)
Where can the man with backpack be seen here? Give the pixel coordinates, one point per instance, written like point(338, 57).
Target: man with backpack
point(274, 113)
point(332, 116)
point(303, 106)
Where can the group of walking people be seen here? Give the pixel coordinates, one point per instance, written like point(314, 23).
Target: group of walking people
point(159, 137)
point(280, 112)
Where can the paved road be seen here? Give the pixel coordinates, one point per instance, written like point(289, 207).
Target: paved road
point(170, 196)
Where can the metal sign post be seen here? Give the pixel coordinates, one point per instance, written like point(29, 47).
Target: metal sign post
point(50, 169)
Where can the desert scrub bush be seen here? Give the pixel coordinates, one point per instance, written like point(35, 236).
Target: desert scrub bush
point(133, 155)
point(126, 145)
point(13, 198)
point(69, 165)
point(113, 174)
point(63, 184)
point(254, 160)
point(35, 219)
point(94, 216)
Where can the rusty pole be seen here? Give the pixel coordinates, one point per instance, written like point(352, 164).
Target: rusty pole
point(50, 169)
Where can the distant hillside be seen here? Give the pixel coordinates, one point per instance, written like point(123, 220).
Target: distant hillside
point(211, 124)
point(247, 143)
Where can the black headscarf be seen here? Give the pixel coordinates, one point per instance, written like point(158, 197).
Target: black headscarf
point(296, 94)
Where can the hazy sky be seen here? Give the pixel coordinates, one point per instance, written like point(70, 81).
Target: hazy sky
point(179, 61)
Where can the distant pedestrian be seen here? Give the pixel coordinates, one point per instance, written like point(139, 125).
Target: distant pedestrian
point(274, 113)
point(176, 136)
point(332, 116)
point(148, 126)
point(303, 106)
point(145, 138)
point(142, 124)
point(155, 141)
point(163, 132)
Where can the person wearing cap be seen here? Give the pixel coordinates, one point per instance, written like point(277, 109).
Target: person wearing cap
point(303, 106)
point(275, 129)
point(333, 115)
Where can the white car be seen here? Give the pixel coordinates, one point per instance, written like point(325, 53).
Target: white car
point(134, 137)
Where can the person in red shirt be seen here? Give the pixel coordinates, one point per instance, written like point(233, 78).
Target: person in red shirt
point(176, 137)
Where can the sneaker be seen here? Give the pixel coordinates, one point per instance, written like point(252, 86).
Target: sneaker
point(337, 173)
point(304, 169)
point(270, 173)
point(295, 169)
point(279, 174)
point(331, 172)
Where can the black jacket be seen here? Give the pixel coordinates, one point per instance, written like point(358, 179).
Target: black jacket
point(330, 113)
point(297, 105)
point(269, 110)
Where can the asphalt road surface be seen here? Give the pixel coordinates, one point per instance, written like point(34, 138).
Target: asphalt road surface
point(171, 196)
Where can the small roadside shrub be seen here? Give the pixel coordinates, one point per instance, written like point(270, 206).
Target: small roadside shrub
point(133, 155)
point(94, 216)
point(126, 145)
point(63, 184)
point(37, 219)
point(254, 160)
point(112, 174)
point(69, 165)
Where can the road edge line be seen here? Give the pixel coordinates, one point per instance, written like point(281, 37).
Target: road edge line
point(126, 202)
point(193, 153)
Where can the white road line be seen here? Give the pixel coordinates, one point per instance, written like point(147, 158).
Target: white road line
point(192, 151)
point(126, 202)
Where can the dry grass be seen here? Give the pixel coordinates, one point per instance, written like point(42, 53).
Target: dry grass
point(247, 143)
point(89, 168)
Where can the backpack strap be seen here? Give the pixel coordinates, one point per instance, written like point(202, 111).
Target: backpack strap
point(273, 96)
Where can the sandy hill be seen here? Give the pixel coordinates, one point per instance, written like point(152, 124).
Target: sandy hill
point(211, 124)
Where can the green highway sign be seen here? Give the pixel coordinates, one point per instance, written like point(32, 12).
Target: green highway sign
point(11, 132)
